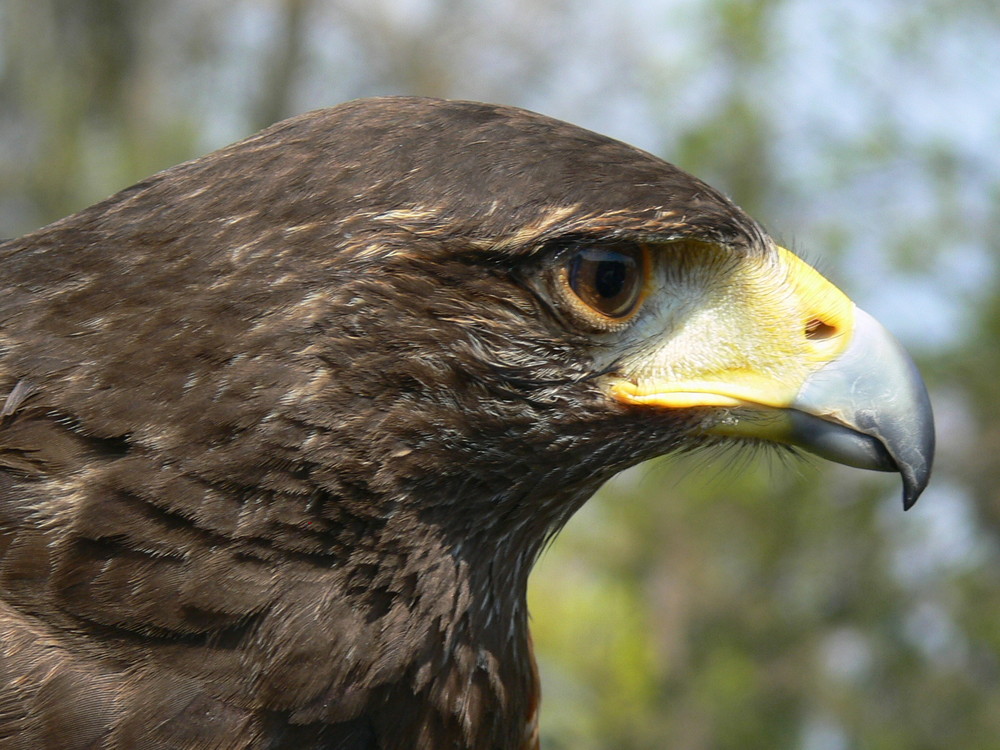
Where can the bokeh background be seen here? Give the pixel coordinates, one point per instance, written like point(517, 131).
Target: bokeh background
point(708, 603)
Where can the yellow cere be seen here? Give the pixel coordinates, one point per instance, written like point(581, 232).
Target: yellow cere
point(723, 331)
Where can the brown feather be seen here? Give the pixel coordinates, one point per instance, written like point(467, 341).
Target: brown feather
point(285, 429)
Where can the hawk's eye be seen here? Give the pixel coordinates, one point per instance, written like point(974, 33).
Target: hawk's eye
point(609, 279)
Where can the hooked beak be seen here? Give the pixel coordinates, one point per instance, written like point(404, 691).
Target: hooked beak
point(867, 408)
point(791, 359)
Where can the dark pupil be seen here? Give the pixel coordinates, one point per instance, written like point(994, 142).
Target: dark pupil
point(609, 278)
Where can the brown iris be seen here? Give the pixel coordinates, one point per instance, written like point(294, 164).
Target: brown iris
point(609, 279)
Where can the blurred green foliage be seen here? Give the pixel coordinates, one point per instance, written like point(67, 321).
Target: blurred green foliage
point(724, 601)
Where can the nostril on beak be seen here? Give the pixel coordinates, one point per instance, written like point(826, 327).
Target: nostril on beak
point(817, 330)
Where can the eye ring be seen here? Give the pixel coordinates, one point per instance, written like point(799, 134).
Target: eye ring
point(606, 283)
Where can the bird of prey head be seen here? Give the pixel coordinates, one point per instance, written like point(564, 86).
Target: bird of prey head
point(284, 428)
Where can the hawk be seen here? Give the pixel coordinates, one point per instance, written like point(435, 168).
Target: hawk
point(284, 429)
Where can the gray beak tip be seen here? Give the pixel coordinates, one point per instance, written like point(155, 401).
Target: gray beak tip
point(882, 405)
point(916, 472)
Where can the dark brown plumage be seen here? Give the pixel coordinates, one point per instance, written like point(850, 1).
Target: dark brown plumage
point(288, 426)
